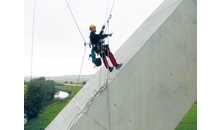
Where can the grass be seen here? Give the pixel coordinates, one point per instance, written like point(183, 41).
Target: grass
point(25, 89)
point(71, 88)
point(51, 111)
point(189, 122)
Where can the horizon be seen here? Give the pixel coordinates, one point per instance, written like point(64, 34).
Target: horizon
point(61, 78)
point(60, 75)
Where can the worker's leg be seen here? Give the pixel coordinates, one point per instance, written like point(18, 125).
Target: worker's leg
point(105, 61)
point(110, 56)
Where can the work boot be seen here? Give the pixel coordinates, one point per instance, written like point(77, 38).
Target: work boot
point(118, 66)
point(110, 69)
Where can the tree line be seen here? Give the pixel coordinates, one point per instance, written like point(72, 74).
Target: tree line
point(39, 91)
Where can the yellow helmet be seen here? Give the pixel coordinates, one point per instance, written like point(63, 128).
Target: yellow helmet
point(91, 26)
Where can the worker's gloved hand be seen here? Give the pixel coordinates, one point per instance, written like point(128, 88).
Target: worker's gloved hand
point(110, 34)
point(103, 27)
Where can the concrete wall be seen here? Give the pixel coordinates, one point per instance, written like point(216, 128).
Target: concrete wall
point(157, 83)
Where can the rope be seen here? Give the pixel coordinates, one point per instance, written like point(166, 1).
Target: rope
point(109, 114)
point(106, 11)
point(110, 16)
point(32, 48)
point(75, 21)
point(81, 66)
point(112, 7)
point(89, 102)
point(108, 73)
point(108, 76)
point(82, 38)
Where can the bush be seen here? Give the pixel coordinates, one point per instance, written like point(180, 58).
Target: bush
point(38, 92)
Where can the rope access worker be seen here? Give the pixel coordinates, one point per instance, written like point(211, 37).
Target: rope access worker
point(102, 50)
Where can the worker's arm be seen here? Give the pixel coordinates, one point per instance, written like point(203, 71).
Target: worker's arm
point(101, 32)
point(98, 37)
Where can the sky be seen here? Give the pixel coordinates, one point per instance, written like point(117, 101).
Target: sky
point(57, 44)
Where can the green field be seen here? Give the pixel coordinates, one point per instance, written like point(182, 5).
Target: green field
point(189, 122)
point(51, 111)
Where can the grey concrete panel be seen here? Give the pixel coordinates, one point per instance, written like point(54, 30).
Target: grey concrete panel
point(157, 83)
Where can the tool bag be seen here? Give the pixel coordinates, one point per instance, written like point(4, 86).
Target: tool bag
point(96, 61)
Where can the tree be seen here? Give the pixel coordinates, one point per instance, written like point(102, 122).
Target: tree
point(50, 89)
point(38, 91)
point(33, 99)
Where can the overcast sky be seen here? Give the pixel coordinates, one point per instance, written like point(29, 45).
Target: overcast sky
point(58, 46)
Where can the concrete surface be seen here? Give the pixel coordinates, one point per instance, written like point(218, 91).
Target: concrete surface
point(157, 83)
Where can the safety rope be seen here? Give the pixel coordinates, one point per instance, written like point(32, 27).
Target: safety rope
point(32, 48)
point(81, 66)
point(106, 11)
point(82, 38)
point(89, 102)
point(75, 21)
point(108, 73)
point(108, 76)
point(110, 14)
